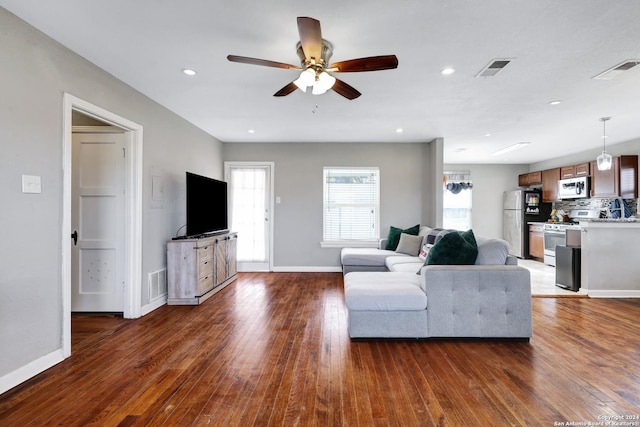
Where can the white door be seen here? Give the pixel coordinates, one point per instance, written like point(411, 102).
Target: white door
point(98, 222)
point(250, 205)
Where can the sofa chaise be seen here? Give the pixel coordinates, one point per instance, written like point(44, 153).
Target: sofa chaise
point(408, 299)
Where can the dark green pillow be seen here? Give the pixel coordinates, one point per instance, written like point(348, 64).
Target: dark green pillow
point(455, 248)
point(394, 235)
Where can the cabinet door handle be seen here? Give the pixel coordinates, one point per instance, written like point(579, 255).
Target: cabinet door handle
point(74, 236)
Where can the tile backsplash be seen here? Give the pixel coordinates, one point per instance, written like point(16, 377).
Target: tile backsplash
point(595, 203)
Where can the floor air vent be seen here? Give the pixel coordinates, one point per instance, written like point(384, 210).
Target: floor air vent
point(493, 68)
point(157, 284)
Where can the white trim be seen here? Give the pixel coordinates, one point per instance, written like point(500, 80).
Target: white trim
point(617, 293)
point(133, 219)
point(30, 370)
point(349, 243)
point(272, 166)
point(155, 304)
point(304, 269)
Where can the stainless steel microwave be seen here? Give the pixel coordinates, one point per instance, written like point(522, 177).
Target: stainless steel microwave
point(573, 188)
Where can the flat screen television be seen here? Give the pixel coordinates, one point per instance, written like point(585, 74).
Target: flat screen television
point(206, 205)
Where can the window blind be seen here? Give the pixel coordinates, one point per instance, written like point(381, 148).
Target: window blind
point(351, 204)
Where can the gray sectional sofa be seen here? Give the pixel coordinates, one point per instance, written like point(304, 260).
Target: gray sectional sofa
point(394, 295)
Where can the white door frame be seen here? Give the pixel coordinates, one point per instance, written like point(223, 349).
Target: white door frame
point(133, 210)
point(271, 165)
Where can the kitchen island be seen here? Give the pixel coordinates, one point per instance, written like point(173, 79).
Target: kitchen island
point(610, 261)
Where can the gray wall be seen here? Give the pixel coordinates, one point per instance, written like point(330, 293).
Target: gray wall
point(489, 182)
point(36, 72)
point(298, 182)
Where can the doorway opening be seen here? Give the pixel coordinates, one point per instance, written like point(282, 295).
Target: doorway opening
point(132, 240)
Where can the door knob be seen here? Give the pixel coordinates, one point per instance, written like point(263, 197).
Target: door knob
point(74, 236)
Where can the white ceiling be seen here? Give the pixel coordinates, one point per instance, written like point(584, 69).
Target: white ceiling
point(556, 48)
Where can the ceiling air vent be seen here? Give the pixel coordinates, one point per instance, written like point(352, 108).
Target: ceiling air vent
point(617, 69)
point(493, 68)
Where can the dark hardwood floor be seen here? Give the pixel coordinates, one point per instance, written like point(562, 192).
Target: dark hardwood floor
point(273, 349)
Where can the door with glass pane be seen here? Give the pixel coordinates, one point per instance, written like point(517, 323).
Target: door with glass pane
point(250, 204)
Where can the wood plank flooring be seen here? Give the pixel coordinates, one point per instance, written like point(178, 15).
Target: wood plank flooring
point(272, 349)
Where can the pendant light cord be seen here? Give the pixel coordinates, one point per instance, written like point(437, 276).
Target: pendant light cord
point(604, 133)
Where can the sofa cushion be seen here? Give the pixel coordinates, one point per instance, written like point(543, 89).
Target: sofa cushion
point(408, 267)
point(393, 261)
point(394, 235)
point(492, 251)
point(365, 256)
point(424, 230)
point(409, 244)
point(377, 291)
point(455, 248)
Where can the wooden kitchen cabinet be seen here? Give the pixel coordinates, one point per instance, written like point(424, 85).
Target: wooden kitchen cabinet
point(619, 181)
point(550, 178)
point(567, 172)
point(531, 178)
point(536, 241)
point(583, 169)
point(573, 171)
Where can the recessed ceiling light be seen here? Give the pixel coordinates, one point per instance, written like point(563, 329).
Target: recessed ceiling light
point(447, 71)
point(251, 131)
point(399, 130)
point(487, 135)
point(555, 102)
point(189, 71)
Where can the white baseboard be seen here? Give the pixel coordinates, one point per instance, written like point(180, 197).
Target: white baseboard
point(616, 293)
point(12, 379)
point(148, 308)
point(309, 269)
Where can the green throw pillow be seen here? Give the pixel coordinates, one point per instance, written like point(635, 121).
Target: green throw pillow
point(455, 248)
point(394, 235)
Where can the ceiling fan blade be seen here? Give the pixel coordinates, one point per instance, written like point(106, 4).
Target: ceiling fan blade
point(372, 63)
point(262, 62)
point(310, 38)
point(291, 87)
point(345, 90)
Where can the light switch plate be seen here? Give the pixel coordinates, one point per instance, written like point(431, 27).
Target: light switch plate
point(31, 184)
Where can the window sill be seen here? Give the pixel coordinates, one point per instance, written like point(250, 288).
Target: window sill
point(349, 244)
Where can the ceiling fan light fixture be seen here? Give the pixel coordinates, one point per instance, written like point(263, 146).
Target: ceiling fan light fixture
point(307, 78)
point(604, 160)
point(323, 83)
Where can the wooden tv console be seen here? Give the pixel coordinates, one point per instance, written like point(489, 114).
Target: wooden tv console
point(198, 268)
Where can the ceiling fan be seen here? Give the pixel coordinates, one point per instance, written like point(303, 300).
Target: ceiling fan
point(314, 53)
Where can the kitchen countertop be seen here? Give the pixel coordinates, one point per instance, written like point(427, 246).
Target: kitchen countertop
point(611, 224)
point(612, 220)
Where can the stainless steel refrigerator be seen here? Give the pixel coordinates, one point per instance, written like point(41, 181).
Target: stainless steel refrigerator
point(520, 207)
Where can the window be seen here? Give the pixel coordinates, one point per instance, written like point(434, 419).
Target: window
point(351, 207)
point(457, 200)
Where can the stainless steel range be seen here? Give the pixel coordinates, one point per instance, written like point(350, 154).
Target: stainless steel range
point(555, 232)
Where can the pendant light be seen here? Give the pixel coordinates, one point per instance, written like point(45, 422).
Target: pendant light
point(604, 159)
